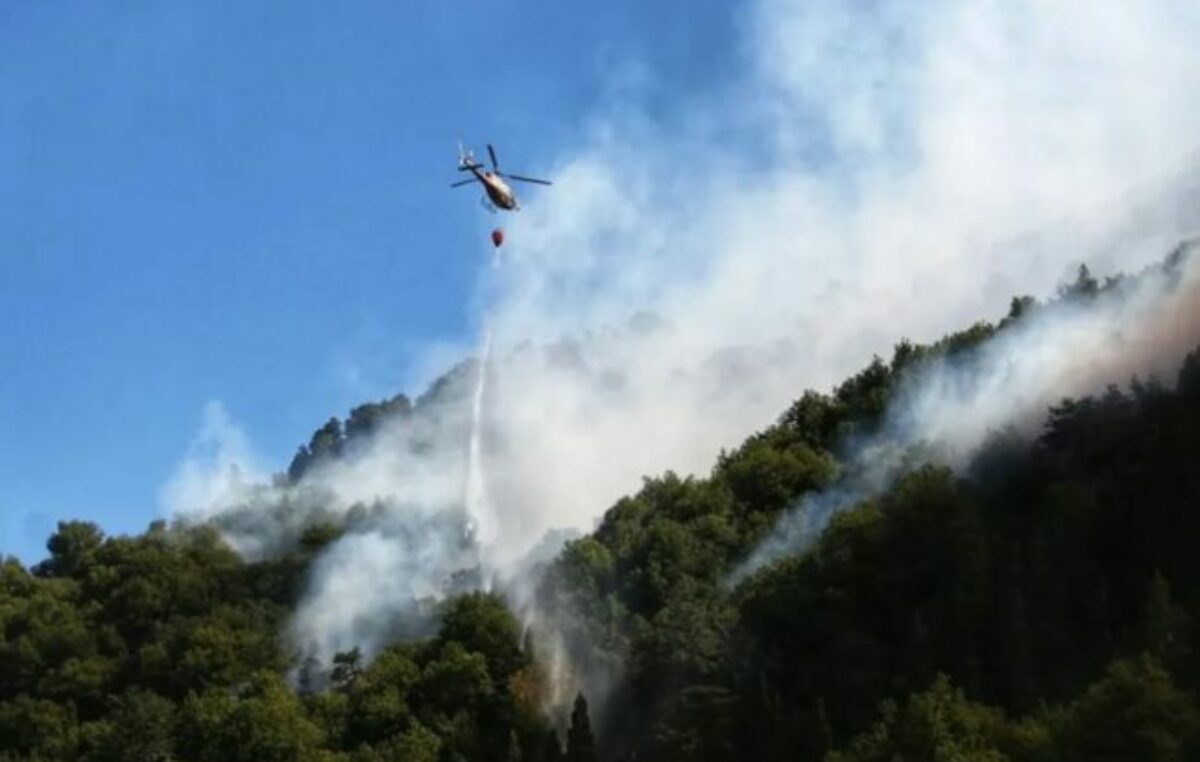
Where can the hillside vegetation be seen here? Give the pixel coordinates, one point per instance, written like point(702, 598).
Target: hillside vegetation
point(1039, 604)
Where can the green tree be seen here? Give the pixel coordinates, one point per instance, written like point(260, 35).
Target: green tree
point(72, 548)
point(581, 745)
point(267, 724)
point(347, 667)
point(141, 728)
point(482, 623)
point(379, 698)
point(38, 729)
point(938, 725)
point(1135, 712)
point(416, 744)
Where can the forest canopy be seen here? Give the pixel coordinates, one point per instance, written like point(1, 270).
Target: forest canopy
point(1039, 603)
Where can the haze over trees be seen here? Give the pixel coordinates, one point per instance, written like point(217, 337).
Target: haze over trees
point(1040, 603)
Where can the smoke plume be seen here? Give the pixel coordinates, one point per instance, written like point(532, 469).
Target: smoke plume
point(944, 410)
point(874, 171)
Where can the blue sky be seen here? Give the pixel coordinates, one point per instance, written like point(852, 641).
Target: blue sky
point(247, 201)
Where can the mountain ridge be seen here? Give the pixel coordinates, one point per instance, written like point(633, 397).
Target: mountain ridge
point(1008, 594)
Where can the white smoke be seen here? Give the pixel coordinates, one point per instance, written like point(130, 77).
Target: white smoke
point(877, 171)
point(884, 167)
point(218, 471)
point(945, 410)
point(397, 496)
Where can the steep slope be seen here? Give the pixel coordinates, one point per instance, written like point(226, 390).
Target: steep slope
point(1048, 564)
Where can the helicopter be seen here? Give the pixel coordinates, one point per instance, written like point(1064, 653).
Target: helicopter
point(498, 194)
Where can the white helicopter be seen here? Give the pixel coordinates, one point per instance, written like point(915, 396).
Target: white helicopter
point(499, 195)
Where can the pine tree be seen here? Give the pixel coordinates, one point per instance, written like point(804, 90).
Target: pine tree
point(347, 666)
point(581, 745)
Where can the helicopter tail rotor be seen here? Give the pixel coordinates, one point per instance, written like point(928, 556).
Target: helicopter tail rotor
point(466, 158)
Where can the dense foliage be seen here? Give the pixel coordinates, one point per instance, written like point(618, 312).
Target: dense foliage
point(1048, 574)
point(1038, 605)
point(166, 646)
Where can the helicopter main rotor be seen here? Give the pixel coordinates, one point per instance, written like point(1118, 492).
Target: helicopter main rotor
point(467, 163)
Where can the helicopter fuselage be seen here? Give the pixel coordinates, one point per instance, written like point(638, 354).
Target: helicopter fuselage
point(497, 193)
point(497, 190)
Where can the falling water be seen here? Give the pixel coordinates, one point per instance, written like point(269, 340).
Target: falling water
point(481, 521)
point(482, 525)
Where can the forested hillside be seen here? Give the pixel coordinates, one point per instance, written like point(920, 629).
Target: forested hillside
point(1038, 603)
